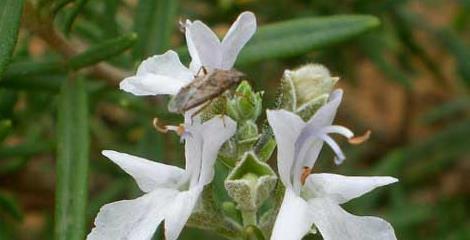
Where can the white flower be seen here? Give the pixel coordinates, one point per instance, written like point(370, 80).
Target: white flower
point(207, 50)
point(164, 74)
point(159, 74)
point(317, 201)
point(171, 193)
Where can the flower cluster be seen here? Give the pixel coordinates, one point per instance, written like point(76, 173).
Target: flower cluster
point(309, 201)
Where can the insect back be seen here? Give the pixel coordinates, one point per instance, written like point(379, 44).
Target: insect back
point(204, 89)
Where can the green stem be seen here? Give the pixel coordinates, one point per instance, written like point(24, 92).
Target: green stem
point(249, 218)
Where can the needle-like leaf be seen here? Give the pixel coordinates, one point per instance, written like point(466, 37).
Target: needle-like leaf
point(72, 162)
point(10, 15)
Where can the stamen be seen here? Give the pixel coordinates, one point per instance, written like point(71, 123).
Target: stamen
point(159, 126)
point(182, 25)
point(334, 146)
point(305, 173)
point(339, 130)
point(360, 139)
point(180, 130)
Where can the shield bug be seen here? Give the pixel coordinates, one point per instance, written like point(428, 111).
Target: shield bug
point(204, 88)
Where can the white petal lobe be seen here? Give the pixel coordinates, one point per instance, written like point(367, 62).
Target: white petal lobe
point(342, 189)
point(204, 45)
point(167, 64)
point(294, 219)
point(202, 146)
point(238, 35)
point(215, 133)
point(286, 127)
point(148, 174)
point(160, 74)
point(131, 219)
point(151, 85)
point(326, 114)
point(336, 224)
point(179, 212)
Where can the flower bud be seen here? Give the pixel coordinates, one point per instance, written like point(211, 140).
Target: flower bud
point(245, 104)
point(247, 136)
point(248, 130)
point(250, 183)
point(306, 89)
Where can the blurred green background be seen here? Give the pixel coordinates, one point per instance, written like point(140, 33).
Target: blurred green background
point(406, 79)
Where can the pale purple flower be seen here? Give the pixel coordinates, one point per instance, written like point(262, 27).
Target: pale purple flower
point(317, 201)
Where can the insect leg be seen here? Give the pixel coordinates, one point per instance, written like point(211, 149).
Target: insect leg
point(224, 109)
point(203, 70)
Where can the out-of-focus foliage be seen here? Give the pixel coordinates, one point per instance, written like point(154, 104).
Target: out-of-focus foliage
point(10, 16)
point(407, 80)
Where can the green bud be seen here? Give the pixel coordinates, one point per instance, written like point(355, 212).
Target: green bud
point(247, 131)
point(245, 104)
point(307, 110)
point(305, 89)
point(267, 148)
point(247, 136)
point(250, 183)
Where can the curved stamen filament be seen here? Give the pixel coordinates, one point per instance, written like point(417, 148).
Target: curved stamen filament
point(305, 141)
point(339, 130)
point(180, 129)
point(360, 139)
point(335, 147)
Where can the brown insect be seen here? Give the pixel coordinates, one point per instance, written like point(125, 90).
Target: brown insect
point(204, 88)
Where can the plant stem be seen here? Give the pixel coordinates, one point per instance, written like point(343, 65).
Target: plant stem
point(43, 26)
point(249, 218)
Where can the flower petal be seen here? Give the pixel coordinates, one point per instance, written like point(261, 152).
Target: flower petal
point(306, 154)
point(286, 127)
point(336, 224)
point(342, 189)
point(132, 219)
point(160, 74)
point(202, 147)
point(151, 84)
point(203, 45)
point(294, 219)
point(215, 133)
point(179, 212)
point(237, 36)
point(148, 174)
point(193, 154)
point(326, 114)
point(195, 64)
point(167, 64)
